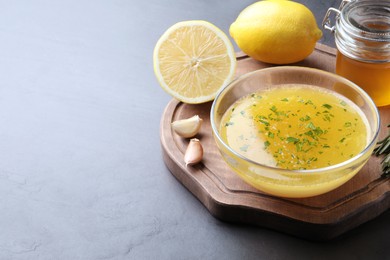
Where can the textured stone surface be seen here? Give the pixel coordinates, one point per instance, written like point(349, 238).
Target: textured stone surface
point(81, 173)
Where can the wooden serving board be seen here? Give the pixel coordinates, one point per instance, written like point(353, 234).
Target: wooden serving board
point(229, 198)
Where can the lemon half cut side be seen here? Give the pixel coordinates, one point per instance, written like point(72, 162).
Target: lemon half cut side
point(193, 60)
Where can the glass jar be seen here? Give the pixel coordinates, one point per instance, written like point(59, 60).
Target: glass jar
point(362, 37)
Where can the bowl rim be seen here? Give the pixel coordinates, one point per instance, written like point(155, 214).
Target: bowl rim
point(366, 97)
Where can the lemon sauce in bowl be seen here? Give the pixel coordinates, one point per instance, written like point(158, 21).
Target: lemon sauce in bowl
point(295, 127)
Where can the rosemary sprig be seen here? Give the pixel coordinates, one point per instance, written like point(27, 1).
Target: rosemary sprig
point(383, 148)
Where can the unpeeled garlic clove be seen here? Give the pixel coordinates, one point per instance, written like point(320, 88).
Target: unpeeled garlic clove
point(187, 127)
point(194, 152)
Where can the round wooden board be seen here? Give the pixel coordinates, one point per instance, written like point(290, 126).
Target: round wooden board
point(228, 198)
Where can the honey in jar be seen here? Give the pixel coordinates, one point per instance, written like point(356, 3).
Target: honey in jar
point(362, 37)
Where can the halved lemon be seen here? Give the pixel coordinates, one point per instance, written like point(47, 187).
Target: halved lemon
point(193, 60)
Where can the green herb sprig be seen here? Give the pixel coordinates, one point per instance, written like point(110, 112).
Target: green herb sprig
point(383, 148)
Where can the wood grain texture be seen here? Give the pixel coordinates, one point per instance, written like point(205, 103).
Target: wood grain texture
point(228, 198)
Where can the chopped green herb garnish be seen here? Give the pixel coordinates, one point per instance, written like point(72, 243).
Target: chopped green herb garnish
point(306, 118)
point(292, 140)
point(310, 133)
point(318, 131)
point(327, 106)
point(311, 126)
point(264, 122)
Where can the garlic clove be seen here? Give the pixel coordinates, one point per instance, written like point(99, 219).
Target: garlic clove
point(187, 128)
point(194, 152)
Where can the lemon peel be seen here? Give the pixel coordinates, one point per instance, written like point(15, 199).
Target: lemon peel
point(276, 31)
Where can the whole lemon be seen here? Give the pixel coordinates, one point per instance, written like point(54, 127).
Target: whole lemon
point(276, 31)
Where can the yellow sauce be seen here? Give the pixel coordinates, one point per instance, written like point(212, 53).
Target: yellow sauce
point(374, 78)
point(295, 127)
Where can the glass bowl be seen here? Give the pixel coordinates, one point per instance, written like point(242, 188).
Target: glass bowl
point(283, 182)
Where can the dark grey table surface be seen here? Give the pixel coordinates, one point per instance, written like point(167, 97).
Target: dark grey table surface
point(81, 172)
